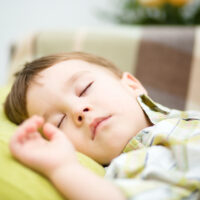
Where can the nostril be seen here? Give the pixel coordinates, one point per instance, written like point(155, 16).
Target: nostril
point(80, 118)
point(86, 110)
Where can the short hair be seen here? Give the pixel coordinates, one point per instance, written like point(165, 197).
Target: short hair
point(15, 106)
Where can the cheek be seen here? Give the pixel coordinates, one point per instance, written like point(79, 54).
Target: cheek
point(70, 132)
point(75, 136)
point(109, 96)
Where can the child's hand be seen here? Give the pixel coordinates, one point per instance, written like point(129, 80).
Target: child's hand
point(45, 156)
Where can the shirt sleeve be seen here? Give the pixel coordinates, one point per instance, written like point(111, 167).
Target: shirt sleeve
point(159, 172)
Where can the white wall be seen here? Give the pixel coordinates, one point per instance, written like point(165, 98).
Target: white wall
point(20, 17)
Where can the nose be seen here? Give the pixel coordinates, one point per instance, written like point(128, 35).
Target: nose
point(79, 116)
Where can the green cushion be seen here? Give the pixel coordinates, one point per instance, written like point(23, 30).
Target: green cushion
point(19, 182)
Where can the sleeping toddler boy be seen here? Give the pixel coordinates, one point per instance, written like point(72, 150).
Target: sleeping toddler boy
point(82, 102)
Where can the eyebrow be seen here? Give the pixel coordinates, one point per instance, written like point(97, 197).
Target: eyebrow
point(71, 80)
point(76, 76)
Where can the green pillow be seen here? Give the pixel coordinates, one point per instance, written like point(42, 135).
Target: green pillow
point(19, 182)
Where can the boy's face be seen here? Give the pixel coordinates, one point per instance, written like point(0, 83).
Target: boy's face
point(97, 111)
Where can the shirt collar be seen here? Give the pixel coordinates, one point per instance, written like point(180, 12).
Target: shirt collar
point(154, 111)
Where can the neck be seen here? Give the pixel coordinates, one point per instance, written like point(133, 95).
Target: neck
point(145, 122)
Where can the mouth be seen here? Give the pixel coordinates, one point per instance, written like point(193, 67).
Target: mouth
point(96, 122)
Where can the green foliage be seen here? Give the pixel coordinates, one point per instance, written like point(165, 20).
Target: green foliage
point(132, 12)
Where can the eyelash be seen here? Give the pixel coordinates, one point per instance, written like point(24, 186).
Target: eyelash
point(61, 121)
point(85, 89)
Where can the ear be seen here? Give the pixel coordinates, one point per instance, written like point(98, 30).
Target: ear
point(132, 83)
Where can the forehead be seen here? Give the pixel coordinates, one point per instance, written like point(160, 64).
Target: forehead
point(70, 67)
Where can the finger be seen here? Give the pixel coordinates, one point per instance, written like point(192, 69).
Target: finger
point(19, 135)
point(22, 132)
point(51, 132)
point(16, 140)
point(33, 118)
point(33, 136)
point(33, 123)
point(30, 125)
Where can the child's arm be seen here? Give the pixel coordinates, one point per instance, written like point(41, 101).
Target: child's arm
point(56, 159)
point(76, 182)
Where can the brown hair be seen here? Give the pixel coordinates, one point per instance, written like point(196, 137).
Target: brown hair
point(15, 104)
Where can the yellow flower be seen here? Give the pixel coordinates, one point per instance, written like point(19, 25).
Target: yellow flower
point(178, 2)
point(152, 3)
point(157, 3)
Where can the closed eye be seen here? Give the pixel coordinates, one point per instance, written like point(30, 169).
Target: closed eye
point(61, 121)
point(86, 88)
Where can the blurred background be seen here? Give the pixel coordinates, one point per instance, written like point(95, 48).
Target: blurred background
point(22, 17)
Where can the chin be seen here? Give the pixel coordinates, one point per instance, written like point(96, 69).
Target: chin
point(105, 160)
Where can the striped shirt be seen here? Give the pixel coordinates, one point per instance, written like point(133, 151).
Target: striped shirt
point(162, 161)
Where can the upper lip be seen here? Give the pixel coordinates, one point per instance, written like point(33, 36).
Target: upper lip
point(95, 123)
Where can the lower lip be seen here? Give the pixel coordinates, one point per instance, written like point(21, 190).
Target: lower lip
point(102, 123)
